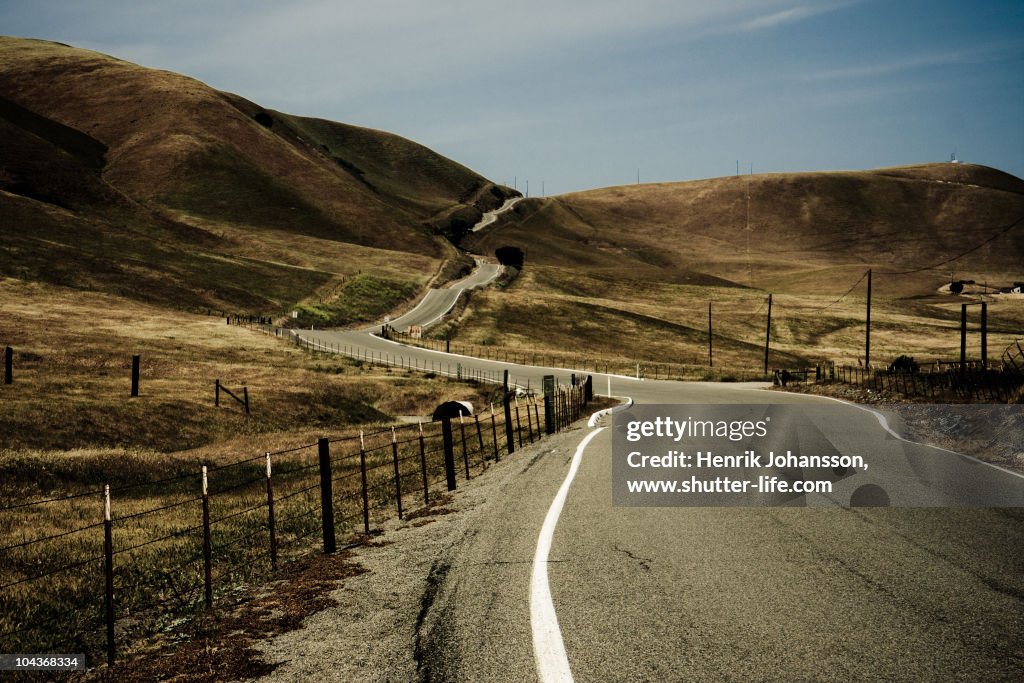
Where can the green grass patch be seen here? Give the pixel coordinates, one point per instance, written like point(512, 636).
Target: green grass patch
point(361, 298)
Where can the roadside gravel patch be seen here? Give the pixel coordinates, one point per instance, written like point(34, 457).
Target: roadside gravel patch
point(373, 633)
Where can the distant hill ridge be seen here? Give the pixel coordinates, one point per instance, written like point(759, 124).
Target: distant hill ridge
point(760, 230)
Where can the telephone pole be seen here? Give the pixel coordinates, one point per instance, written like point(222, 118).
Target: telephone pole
point(768, 334)
point(867, 328)
point(711, 362)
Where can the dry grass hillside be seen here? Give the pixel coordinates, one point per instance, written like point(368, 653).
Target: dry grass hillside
point(153, 185)
point(635, 266)
point(766, 230)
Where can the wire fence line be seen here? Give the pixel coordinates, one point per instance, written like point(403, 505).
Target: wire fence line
point(133, 561)
point(936, 381)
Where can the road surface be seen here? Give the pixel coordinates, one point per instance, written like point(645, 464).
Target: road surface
point(490, 217)
point(718, 594)
point(438, 301)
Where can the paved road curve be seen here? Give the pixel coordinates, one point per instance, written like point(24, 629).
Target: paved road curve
point(439, 301)
point(491, 216)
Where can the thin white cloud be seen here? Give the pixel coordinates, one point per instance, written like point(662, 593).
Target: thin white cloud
point(916, 62)
point(786, 16)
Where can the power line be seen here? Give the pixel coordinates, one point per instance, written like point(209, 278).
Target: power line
point(1002, 231)
point(814, 310)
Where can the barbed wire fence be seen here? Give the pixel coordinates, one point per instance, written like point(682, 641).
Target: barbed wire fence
point(127, 562)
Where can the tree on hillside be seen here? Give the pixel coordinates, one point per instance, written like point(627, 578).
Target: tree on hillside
point(510, 256)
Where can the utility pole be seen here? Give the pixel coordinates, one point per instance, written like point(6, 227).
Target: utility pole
point(768, 334)
point(984, 335)
point(867, 328)
point(527, 187)
point(963, 336)
point(711, 362)
point(638, 176)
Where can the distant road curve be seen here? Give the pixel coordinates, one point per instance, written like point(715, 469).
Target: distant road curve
point(491, 216)
point(439, 301)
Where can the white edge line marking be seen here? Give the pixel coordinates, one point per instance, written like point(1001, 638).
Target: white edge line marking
point(592, 422)
point(548, 647)
point(885, 425)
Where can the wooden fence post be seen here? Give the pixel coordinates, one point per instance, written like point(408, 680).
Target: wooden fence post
point(270, 518)
point(509, 436)
point(216, 394)
point(8, 365)
point(108, 566)
point(135, 375)
point(326, 495)
point(362, 477)
point(398, 476)
point(449, 453)
point(207, 544)
point(549, 404)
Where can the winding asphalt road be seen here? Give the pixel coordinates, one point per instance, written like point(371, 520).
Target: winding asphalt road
point(490, 217)
point(721, 594)
point(438, 301)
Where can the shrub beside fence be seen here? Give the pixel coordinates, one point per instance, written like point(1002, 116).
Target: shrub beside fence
point(97, 571)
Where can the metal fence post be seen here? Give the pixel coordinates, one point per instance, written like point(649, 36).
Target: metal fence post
point(509, 436)
point(494, 434)
point(423, 467)
point(536, 415)
point(465, 451)
point(480, 439)
point(326, 495)
point(519, 424)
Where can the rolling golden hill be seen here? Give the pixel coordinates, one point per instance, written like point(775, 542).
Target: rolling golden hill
point(635, 267)
point(153, 185)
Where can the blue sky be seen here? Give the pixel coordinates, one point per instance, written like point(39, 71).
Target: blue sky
point(570, 96)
